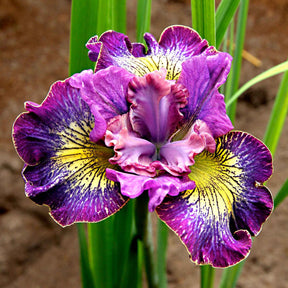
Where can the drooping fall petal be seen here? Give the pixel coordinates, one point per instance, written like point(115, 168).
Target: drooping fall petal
point(215, 221)
point(64, 169)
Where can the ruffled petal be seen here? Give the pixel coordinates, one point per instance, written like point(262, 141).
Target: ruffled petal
point(176, 45)
point(105, 93)
point(177, 157)
point(154, 112)
point(109, 49)
point(229, 203)
point(64, 169)
point(132, 154)
point(158, 188)
point(202, 76)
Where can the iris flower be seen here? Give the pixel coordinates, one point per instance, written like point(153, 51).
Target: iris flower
point(149, 122)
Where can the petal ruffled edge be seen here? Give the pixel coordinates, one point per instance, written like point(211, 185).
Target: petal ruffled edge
point(64, 169)
point(105, 93)
point(176, 44)
point(202, 76)
point(215, 220)
point(158, 188)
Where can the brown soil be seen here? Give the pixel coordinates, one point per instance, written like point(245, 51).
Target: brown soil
point(34, 43)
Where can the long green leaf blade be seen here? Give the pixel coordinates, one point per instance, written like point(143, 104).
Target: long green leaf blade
point(234, 76)
point(86, 273)
point(282, 194)
point(230, 275)
point(203, 19)
point(278, 115)
point(162, 242)
point(119, 15)
point(121, 241)
point(143, 18)
point(207, 276)
point(83, 26)
point(280, 68)
point(224, 14)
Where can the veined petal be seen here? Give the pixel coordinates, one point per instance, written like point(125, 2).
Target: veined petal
point(154, 112)
point(64, 169)
point(177, 157)
point(176, 45)
point(202, 76)
point(105, 93)
point(158, 188)
point(132, 153)
point(229, 203)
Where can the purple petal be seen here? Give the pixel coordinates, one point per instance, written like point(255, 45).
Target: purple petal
point(104, 92)
point(229, 203)
point(181, 41)
point(154, 112)
point(202, 76)
point(68, 170)
point(108, 49)
point(176, 45)
point(132, 154)
point(177, 157)
point(134, 185)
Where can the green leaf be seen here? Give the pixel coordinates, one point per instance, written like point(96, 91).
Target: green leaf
point(119, 15)
point(83, 26)
point(230, 275)
point(162, 242)
point(278, 114)
point(207, 276)
point(143, 18)
point(203, 19)
point(265, 75)
point(132, 276)
point(144, 234)
point(234, 76)
point(123, 224)
point(78, 60)
point(86, 273)
point(282, 194)
point(100, 246)
point(224, 14)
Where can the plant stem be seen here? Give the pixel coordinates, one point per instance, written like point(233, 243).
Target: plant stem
point(144, 233)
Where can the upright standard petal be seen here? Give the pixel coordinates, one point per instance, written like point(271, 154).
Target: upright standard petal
point(176, 45)
point(155, 104)
point(202, 76)
point(105, 93)
point(229, 204)
point(64, 169)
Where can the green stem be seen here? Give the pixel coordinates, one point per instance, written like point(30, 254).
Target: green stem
point(144, 233)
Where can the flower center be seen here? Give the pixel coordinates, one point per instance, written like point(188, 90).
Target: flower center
point(142, 137)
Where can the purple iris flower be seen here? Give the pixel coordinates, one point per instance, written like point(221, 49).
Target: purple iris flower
point(149, 122)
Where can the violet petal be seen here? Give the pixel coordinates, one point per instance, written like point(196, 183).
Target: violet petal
point(202, 76)
point(64, 169)
point(105, 93)
point(229, 203)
